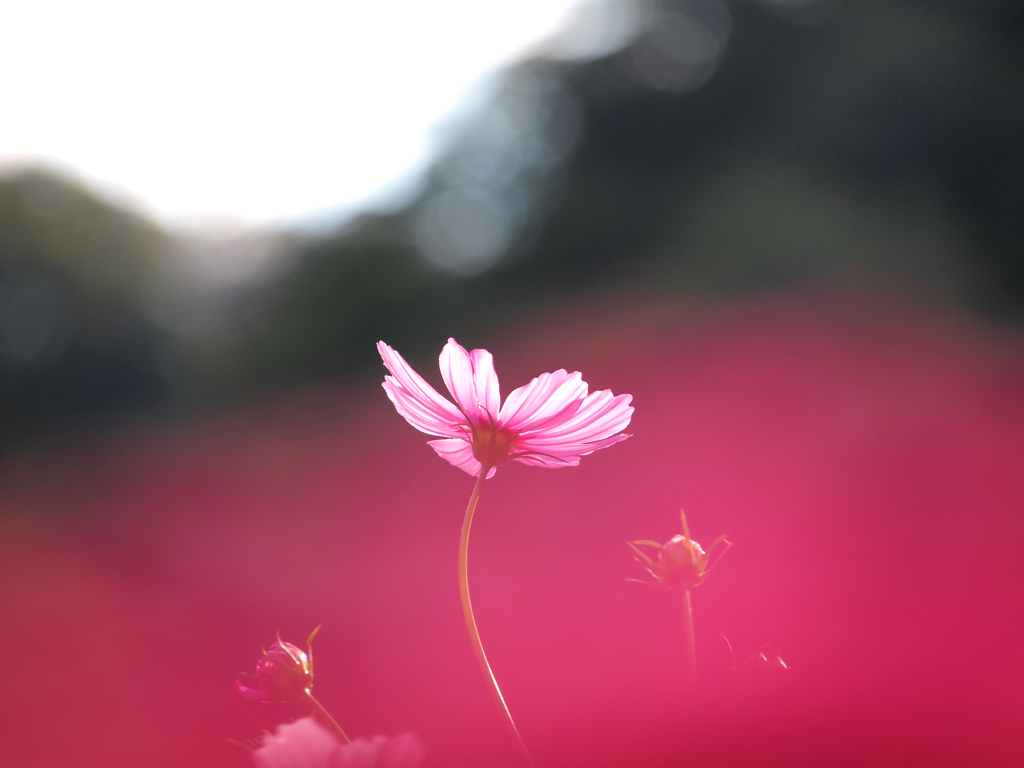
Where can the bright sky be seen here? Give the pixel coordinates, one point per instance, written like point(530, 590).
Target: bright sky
point(261, 112)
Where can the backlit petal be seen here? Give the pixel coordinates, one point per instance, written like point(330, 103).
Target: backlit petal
point(600, 415)
point(548, 399)
point(459, 453)
point(549, 462)
point(485, 380)
point(560, 453)
point(457, 372)
point(417, 401)
point(595, 425)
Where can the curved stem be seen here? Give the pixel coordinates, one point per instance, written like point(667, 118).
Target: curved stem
point(467, 609)
point(327, 717)
point(688, 645)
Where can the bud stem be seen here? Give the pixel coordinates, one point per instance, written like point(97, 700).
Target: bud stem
point(688, 644)
point(326, 716)
point(467, 609)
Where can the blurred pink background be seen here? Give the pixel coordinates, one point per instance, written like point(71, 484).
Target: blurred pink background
point(864, 454)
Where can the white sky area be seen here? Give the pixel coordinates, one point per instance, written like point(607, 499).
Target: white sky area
point(256, 112)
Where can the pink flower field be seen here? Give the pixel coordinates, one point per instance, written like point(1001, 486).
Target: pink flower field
point(864, 456)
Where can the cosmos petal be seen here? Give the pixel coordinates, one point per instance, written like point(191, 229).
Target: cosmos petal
point(485, 381)
point(548, 462)
point(417, 401)
point(548, 399)
point(457, 370)
point(559, 453)
point(459, 453)
point(600, 415)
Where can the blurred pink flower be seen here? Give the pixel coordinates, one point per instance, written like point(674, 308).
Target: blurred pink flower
point(283, 674)
point(302, 744)
point(308, 744)
point(550, 422)
point(402, 751)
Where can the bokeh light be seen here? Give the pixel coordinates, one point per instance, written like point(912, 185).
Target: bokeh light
point(682, 45)
point(243, 110)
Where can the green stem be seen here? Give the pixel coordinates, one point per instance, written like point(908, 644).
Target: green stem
point(688, 645)
point(467, 609)
point(327, 717)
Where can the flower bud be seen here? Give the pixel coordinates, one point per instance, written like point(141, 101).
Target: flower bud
point(678, 564)
point(681, 563)
point(283, 674)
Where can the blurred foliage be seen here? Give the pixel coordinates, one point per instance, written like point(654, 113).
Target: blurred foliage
point(884, 140)
point(54, 225)
point(878, 139)
point(75, 277)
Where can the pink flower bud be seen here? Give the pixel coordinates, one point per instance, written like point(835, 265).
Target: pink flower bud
point(678, 564)
point(283, 674)
point(681, 563)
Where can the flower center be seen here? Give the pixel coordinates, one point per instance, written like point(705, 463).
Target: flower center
point(492, 445)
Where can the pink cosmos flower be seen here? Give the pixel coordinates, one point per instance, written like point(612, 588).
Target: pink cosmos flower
point(308, 744)
point(550, 422)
